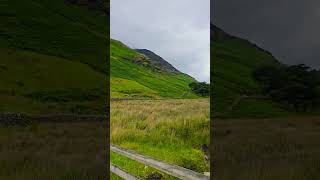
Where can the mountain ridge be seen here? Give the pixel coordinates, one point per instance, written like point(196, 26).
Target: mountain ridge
point(220, 34)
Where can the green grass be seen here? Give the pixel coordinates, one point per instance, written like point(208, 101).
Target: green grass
point(169, 130)
point(129, 88)
point(135, 168)
point(35, 78)
point(55, 28)
point(161, 84)
point(253, 107)
point(54, 151)
point(38, 71)
point(115, 177)
point(52, 54)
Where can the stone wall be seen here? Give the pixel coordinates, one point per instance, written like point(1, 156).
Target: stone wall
point(17, 119)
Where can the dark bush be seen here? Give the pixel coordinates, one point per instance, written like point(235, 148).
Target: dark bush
point(200, 88)
point(298, 86)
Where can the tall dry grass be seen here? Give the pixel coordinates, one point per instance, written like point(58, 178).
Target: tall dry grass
point(62, 151)
point(266, 149)
point(170, 130)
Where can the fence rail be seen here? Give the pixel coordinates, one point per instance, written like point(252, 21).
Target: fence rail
point(122, 173)
point(172, 170)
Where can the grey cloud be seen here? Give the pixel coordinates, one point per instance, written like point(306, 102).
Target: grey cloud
point(177, 30)
point(287, 28)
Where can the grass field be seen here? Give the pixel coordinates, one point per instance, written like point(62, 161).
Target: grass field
point(169, 130)
point(64, 151)
point(266, 149)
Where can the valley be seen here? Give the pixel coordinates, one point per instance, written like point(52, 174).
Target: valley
point(155, 113)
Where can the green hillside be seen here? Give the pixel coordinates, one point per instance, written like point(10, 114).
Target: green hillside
point(234, 91)
point(53, 57)
point(132, 75)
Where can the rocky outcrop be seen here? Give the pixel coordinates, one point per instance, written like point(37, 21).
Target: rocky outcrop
point(157, 62)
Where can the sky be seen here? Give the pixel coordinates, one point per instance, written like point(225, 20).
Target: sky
point(176, 30)
point(289, 29)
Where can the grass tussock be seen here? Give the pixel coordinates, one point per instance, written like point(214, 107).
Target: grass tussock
point(169, 130)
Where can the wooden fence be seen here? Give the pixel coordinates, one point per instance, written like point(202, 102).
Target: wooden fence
point(173, 170)
point(122, 173)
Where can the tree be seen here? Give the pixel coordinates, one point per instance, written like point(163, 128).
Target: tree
point(296, 85)
point(200, 88)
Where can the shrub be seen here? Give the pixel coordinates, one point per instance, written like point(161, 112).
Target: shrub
point(200, 88)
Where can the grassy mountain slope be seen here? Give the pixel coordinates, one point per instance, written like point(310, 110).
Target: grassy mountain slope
point(53, 57)
point(233, 61)
point(132, 76)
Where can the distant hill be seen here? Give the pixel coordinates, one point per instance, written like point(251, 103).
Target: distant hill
point(233, 88)
point(53, 57)
point(144, 74)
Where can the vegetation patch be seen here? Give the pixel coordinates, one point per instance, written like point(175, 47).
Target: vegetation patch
point(296, 86)
point(54, 151)
point(168, 130)
point(261, 148)
point(67, 95)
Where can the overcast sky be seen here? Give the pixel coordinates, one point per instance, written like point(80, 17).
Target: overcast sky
point(288, 28)
point(177, 30)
